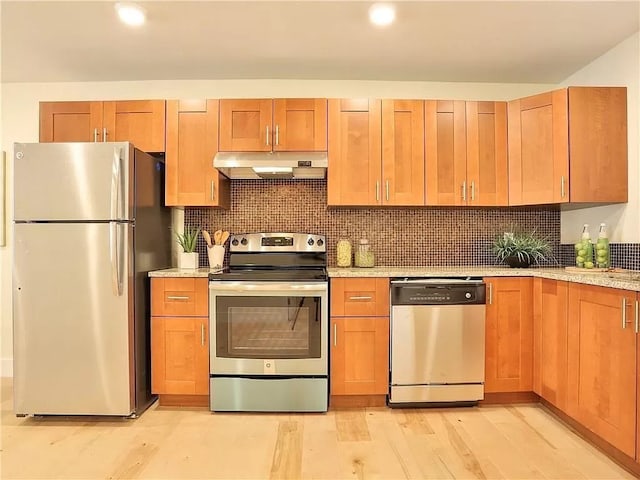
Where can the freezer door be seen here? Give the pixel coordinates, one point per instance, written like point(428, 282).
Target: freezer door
point(73, 321)
point(73, 181)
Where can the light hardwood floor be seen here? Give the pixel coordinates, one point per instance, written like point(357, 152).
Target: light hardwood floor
point(512, 442)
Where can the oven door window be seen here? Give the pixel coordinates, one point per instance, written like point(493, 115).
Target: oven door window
point(268, 327)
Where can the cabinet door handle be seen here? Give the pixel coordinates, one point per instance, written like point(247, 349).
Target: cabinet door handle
point(377, 190)
point(490, 288)
point(202, 334)
point(213, 191)
point(624, 312)
point(335, 334)
point(637, 325)
point(473, 190)
point(277, 134)
point(562, 186)
point(104, 134)
point(464, 191)
point(387, 189)
point(95, 135)
point(360, 297)
point(177, 297)
point(267, 135)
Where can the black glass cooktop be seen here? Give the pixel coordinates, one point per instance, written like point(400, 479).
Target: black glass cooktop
point(294, 275)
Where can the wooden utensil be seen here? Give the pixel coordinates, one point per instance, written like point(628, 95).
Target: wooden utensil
point(207, 238)
point(224, 237)
point(217, 236)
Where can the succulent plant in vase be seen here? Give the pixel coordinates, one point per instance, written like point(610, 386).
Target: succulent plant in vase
point(520, 249)
point(188, 258)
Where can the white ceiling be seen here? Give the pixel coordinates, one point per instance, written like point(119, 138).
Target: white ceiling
point(477, 41)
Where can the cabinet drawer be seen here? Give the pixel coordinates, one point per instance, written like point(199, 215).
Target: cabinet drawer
point(180, 296)
point(360, 297)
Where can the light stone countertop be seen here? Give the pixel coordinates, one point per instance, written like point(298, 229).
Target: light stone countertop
point(625, 280)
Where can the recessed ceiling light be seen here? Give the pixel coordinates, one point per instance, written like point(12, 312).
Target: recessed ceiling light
point(382, 14)
point(131, 14)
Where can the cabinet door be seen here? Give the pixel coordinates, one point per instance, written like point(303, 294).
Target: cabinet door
point(509, 335)
point(598, 144)
point(550, 341)
point(70, 121)
point(446, 162)
point(300, 125)
point(245, 125)
point(192, 142)
point(538, 141)
point(487, 180)
point(359, 297)
point(403, 152)
point(179, 355)
point(141, 122)
point(360, 355)
point(602, 363)
point(355, 169)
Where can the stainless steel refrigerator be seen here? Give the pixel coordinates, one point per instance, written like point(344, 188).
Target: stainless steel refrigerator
point(89, 224)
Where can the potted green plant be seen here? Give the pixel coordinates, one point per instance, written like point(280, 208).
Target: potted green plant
point(188, 258)
point(520, 249)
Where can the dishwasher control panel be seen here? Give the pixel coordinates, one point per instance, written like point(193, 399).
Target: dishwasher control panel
point(437, 292)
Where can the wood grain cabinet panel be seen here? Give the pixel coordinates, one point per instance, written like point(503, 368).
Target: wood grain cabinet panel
point(568, 145)
point(509, 335)
point(550, 325)
point(141, 122)
point(602, 363)
point(466, 153)
point(179, 297)
point(192, 142)
point(279, 125)
point(360, 297)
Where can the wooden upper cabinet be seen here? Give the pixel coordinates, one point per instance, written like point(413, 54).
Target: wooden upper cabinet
point(509, 335)
point(141, 122)
point(71, 121)
point(466, 153)
point(264, 125)
point(487, 179)
point(550, 339)
point(569, 145)
point(192, 142)
point(402, 152)
point(602, 363)
point(354, 170)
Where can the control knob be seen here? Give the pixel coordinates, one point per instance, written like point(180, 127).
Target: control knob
point(243, 241)
point(467, 295)
point(319, 242)
point(310, 241)
point(234, 242)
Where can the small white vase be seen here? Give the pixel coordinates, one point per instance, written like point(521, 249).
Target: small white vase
point(188, 261)
point(216, 256)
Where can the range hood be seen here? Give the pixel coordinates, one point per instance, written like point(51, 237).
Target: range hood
point(270, 165)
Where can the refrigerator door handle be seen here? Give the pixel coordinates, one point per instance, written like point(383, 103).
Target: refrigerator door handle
point(116, 186)
point(115, 249)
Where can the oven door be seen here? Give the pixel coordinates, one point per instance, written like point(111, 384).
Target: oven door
point(267, 328)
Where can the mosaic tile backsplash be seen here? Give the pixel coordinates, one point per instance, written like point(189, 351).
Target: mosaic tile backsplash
point(427, 236)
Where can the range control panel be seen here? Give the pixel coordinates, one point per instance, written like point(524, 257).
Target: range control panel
point(277, 242)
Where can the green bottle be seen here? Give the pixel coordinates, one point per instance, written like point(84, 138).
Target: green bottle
point(584, 249)
point(603, 252)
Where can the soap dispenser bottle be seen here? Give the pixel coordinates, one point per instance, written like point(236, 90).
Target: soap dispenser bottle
point(603, 257)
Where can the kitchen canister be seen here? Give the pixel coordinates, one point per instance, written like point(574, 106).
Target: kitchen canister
point(364, 256)
point(343, 253)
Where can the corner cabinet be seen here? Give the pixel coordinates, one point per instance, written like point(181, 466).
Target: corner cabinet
point(180, 341)
point(141, 122)
point(192, 142)
point(568, 145)
point(466, 153)
point(509, 335)
point(602, 369)
point(376, 152)
point(360, 337)
point(278, 125)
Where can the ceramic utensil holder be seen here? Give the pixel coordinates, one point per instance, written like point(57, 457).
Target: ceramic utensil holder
point(216, 256)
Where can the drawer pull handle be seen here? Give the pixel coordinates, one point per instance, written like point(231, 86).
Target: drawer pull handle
point(361, 297)
point(177, 297)
point(202, 334)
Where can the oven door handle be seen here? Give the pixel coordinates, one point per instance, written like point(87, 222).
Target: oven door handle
point(277, 288)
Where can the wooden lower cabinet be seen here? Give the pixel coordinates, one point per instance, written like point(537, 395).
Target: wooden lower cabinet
point(509, 335)
point(359, 355)
point(602, 363)
point(180, 360)
point(550, 340)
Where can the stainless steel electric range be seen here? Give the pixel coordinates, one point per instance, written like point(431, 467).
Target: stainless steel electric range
point(268, 319)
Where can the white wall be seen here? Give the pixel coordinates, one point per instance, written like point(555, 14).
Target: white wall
point(620, 66)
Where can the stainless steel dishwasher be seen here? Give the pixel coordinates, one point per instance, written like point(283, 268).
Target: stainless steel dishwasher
point(437, 341)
